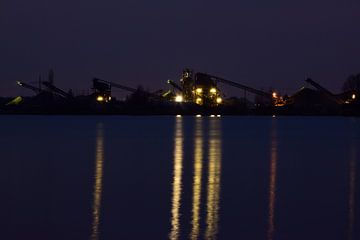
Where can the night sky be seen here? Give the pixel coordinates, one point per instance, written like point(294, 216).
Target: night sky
point(259, 43)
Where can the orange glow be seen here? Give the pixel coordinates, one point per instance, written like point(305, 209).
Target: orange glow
point(272, 184)
point(352, 191)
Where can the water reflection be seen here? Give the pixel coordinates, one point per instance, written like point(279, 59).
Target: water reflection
point(213, 181)
point(213, 189)
point(198, 165)
point(99, 163)
point(272, 182)
point(352, 187)
point(177, 175)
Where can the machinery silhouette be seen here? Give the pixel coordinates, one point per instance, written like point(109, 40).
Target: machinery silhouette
point(195, 93)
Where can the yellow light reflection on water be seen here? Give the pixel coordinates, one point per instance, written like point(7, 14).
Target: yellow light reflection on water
point(352, 187)
point(214, 174)
point(99, 163)
point(272, 182)
point(198, 159)
point(177, 175)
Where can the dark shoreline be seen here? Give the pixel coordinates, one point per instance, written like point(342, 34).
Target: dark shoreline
point(87, 105)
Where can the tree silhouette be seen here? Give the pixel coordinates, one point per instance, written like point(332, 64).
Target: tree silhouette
point(352, 83)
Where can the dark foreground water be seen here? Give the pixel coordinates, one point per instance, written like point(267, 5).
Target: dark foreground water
point(179, 178)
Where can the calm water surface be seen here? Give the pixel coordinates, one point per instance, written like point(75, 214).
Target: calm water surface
point(105, 177)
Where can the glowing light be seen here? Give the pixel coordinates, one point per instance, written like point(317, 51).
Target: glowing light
point(15, 101)
point(19, 83)
point(218, 115)
point(109, 98)
point(198, 115)
point(213, 90)
point(353, 96)
point(274, 95)
point(212, 115)
point(273, 116)
point(218, 100)
point(100, 98)
point(178, 98)
point(198, 101)
point(199, 90)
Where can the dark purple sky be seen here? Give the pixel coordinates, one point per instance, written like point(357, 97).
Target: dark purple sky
point(259, 43)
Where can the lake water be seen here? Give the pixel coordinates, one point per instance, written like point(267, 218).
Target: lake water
point(121, 177)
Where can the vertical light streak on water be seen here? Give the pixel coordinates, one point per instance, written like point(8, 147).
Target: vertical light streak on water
point(214, 175)
point(177, 175)
point(352, 187)
point(99, 163)
point(198, 162)
point(272, 182)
